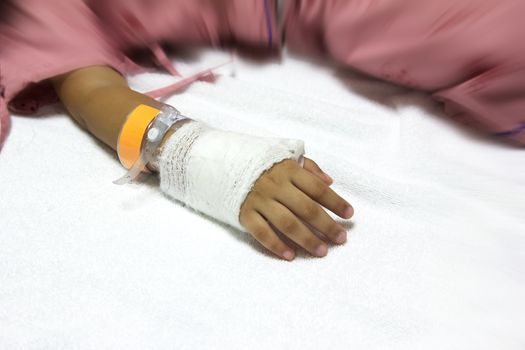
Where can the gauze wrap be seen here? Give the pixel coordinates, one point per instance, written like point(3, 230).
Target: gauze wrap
point(212, 171)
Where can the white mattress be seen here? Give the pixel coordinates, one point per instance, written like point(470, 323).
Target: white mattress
point(435, 257)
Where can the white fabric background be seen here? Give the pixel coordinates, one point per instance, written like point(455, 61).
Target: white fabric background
point(435, 257)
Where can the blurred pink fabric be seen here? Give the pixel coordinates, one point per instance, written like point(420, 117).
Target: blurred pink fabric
point(467, 53)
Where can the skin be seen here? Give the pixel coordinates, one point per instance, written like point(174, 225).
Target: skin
point(287, 196)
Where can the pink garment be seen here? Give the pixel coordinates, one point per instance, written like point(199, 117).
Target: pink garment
point(467, 53)
point(44, 38)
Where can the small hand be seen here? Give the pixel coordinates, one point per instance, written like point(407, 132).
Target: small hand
point(286, 195)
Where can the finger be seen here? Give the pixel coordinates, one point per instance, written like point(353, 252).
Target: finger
point(321, 193)
point(286, 222)
point(311, 212)
point(263, 233)
point(312, 167)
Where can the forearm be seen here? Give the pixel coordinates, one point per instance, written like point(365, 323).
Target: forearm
point(210, 170)
point(99, 99)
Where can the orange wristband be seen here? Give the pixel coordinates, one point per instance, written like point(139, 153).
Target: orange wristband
point(129, 144)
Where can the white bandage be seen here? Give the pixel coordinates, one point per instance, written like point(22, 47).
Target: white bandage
point(212, 171)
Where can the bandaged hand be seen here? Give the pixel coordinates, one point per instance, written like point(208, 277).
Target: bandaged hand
point(249, 182)
point(291, 198)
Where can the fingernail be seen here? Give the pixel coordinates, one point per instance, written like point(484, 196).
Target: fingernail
point(288, 255)
point(321, 250)
point(341, 237)
point(349, 211)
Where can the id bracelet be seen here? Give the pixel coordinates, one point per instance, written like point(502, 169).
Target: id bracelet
point(141, 136)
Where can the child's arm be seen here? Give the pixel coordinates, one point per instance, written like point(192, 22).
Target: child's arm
point(99, 99)
point(287, 195)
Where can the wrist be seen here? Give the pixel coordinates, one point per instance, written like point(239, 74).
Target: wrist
point(142, 136)
point(153, 165)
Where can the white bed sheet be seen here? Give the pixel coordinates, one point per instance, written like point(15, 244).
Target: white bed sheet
point(435, 257)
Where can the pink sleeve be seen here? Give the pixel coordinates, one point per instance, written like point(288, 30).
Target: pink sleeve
point(468, 54)
point(40, 39)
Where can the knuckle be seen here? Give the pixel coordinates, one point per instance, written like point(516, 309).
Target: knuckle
point(256, 195)
point(288, 164)
point(247, 204)
point(284, 169)
point(260, 233)
point(267, 181)
point(334, 229)
point(275, 168)
point(273, 180)
point(311, 242)
point(243, 215)
point(288, 224)
point(341, 205)
point(311, 210)
point(278, 174)
point(319, 189)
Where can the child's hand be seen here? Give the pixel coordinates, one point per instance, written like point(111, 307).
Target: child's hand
point(286, 195)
